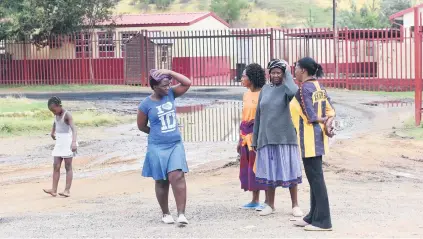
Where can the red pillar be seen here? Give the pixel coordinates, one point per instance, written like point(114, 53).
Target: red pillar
point(418, 67)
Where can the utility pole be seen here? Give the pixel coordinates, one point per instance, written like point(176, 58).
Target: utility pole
point(334, 14)
point(335, 39)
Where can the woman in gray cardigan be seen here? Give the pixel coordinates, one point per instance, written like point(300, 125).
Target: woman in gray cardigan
point(274, 138)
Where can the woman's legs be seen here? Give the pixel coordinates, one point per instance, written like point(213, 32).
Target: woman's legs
point(293, 190)
point(270, 202)
point(179, 187)
point(266, 199)
point(271, 191)
point(319, 215)
point(162, 195)
point(256, 197)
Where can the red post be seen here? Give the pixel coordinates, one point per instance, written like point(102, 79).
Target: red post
point(347, 64)
point(83, 66)
point(25, 66)
point(418, 67)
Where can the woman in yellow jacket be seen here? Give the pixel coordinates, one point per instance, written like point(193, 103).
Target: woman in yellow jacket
point(312, 114)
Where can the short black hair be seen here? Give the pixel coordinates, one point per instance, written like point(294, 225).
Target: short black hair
point(153, 82)
point(54, 101)
point(256, 75)
point(311, 66)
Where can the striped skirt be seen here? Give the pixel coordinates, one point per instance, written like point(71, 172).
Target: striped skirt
point(279, 166)
point(246, 171)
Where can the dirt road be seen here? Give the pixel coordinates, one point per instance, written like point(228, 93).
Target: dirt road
point(373, 178)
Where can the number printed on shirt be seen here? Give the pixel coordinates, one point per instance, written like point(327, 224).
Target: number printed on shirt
point(167, 117)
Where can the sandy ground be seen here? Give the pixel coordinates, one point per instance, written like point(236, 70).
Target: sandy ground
point(373, 177)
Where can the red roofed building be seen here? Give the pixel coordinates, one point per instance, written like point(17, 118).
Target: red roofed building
point(195, 20)
point(103, 43)
point(406, 17)
point(178, 41)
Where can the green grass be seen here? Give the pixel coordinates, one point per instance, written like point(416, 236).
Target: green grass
point(13, 105)
point(402, 95)
point(26, 117)
point(64, 88)
point(406, 94)
point(410, 130)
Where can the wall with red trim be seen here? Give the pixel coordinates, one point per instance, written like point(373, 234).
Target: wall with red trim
point(212, 70)
point(62, 71)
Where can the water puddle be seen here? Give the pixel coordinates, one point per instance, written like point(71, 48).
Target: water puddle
point(217, 121)
point(391, 103)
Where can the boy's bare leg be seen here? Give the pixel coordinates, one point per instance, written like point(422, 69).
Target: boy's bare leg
point(56, 176)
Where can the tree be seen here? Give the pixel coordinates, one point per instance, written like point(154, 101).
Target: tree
point(310, 21)
point(229, 10)
point(389, 7)
point(160, 4)
point(366, 17)
point(374, 15)
point(40, 19)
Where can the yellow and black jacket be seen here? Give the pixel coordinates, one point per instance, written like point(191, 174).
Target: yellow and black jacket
point(310, 103)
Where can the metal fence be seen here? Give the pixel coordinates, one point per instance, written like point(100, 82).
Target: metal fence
point(210, 123)
point(363, 59)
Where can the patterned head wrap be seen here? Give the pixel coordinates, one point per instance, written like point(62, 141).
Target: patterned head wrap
point(159, 78)
point(276, 63)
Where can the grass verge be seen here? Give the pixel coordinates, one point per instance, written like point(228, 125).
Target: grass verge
point(411, 131)
point(405, 94)
point(21, 116)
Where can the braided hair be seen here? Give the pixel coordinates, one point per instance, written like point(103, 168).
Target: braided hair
point(256, 75)
point(54, 101)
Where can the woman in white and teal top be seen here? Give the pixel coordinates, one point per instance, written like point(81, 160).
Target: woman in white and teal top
point(165, 160)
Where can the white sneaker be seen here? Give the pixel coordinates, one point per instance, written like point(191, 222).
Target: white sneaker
point(296, 212)
point(168, 219)
point(301, 223)
point(182, 220)
point(316, 229)
point(267, 211)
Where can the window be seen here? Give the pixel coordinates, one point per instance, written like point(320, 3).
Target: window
point(369, 48)
point(83, 45)
point(125, 37)
point(340, 49)
point(106, 45)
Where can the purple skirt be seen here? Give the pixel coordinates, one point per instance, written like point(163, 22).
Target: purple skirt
point(279, 166)
point(246, 172)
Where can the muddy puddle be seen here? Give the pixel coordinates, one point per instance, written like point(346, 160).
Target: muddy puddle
point(209, 127)
point(390, 103)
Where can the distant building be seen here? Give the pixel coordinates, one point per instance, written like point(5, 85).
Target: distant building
point(406, 17)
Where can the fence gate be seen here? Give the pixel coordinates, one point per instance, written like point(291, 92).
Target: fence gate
point(139, 58)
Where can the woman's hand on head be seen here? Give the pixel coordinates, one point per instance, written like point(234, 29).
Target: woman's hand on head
point(286, 63)
point(161, 72)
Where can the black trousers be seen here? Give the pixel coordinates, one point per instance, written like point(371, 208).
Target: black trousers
point(319, 215)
